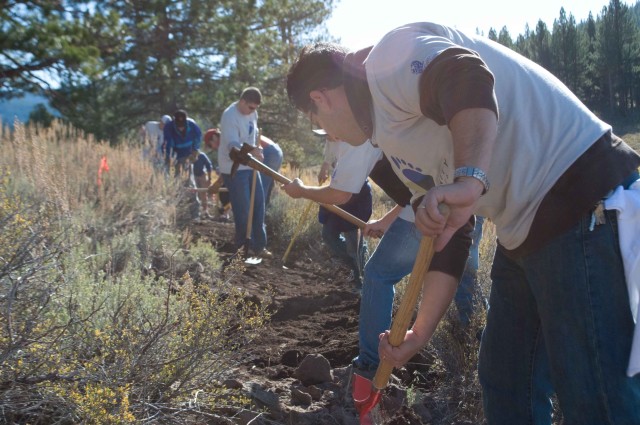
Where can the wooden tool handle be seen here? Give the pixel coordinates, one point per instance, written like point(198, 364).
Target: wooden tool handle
point(403, 317)
point(301, 222)
point(252, 202)
point(257, 165)
point(216, 185)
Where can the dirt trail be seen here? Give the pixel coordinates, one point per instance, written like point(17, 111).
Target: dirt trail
point(315, 313)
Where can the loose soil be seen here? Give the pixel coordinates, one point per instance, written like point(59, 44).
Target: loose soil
point(315, 316)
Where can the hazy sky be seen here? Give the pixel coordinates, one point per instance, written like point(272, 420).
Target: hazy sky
point(360, 23)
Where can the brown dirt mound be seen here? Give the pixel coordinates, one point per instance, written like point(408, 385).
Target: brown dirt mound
point(315, 312)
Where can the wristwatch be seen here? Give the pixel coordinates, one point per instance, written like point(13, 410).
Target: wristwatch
point(476, 173)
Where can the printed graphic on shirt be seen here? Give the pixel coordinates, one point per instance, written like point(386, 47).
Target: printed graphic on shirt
point(413, 173)
point(420, 178)
point(417, 67)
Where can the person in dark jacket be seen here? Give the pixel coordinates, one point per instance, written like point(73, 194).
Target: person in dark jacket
point(182, 137)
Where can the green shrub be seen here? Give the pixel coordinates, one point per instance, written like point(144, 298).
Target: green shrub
point(103, 320)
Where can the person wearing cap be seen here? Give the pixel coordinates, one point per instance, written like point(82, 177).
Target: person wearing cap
point(329, 156)
point(182, 137)
point(469, 123)
point(393, 259)
point(348, 188)
point(239, 125)
point(152, 134)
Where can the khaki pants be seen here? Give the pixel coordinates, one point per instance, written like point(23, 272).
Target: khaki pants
point(202, 182)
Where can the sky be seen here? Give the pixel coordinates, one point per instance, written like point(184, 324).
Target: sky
point(378, 17)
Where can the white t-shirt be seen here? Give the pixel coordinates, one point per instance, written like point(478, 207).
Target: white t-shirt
point(407, 214)
point(330, 153)
point(235, 130)
point(543, 127)
point(155, 135)
point(353, 166)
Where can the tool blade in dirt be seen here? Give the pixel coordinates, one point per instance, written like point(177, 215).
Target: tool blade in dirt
point(365, 403)
point(365, 398)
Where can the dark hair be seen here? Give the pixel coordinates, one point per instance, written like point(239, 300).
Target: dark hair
point(251, 94)
point(180, 115)
point(318, 66)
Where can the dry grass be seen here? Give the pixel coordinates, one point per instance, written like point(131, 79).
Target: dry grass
point(295, 218)
point(633, 140)
point(109, 314)
point(62, 163)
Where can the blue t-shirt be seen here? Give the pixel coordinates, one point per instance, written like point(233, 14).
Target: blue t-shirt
point(203, 162)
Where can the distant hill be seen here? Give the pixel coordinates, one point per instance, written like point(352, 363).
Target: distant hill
point(21, 107)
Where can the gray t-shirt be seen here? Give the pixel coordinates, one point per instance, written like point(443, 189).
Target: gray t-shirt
point(235, 130)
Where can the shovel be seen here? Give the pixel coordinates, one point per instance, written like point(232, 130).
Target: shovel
point(366, 394)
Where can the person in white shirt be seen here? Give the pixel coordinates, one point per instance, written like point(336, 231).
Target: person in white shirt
point(349, 189)
point(394, 257)
point(471, 124)
point(239, 125)
point(153, 139)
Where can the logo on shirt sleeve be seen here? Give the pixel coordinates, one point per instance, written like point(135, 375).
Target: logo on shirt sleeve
point(417, 67)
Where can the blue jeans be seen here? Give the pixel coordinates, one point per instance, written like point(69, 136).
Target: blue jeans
point(240, 196)
point(391, 261)
point(559, 319)
point(346, 246)
point(272, 159)
point(468, 294)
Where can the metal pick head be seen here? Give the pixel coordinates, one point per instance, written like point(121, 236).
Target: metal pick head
point(240, 156)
